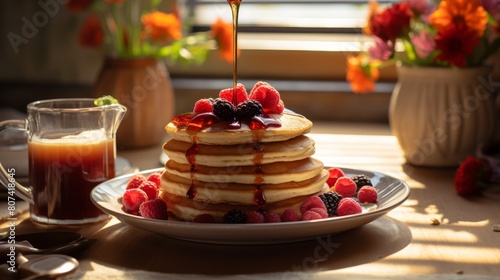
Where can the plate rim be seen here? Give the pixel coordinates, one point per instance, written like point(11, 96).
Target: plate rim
point(133, 220)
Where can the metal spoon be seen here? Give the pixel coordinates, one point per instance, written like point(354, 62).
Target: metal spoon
point(45, 266)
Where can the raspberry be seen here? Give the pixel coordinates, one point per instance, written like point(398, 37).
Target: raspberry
point(289, 215)
point(135, 181)
point(312, 202)
point(271, 218)
point(132, 200)
point(267, 95)
point(321, 211)
point(241, 94)
point(367, 194)
point(255, 217)
point(203, 106)
point(361, 180)
point(331, 201)
point(154, 209)
point(311, 215)
point(235, 216)
point(204, 218)
point(150, 189)
point(278, 109)
point(345, 186)
point(155, 178)
point(224, 109)
point(248, 109)
point(348, 206)
point(335, 173)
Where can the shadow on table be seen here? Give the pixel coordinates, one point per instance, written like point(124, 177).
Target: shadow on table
point(133, 248)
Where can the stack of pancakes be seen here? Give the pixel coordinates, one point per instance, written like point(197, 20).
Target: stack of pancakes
point(216, 169)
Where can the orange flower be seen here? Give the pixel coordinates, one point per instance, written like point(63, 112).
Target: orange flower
point(372, 11)
point(161, 26)
point(361, 74)
point(222, 32)
point(460, 12)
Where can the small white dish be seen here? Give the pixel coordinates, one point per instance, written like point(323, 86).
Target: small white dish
point(392, 192)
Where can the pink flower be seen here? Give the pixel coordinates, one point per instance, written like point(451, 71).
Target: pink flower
point(424, 43)
point(380, 50)
point(421, 7)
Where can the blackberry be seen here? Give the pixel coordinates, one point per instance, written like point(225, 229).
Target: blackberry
point(331, 201)
point(224, 109)
point(361, 180)
point(235, 216)
point(248, 109)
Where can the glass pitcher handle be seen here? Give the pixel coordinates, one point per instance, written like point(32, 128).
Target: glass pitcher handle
point(7, 178)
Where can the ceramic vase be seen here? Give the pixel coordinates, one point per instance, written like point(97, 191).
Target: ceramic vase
point(144, 86)
point(441, 115)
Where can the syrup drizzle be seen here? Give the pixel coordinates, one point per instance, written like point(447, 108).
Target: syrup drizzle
point(235, 8)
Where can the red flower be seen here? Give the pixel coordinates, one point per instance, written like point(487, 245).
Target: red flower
point(390, 24)
point(470, 175)
point(91, 34)
point(456, 42)
point(78, 5)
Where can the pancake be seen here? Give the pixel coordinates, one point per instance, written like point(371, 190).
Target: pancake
point(292, 125)
point(273, 173)
point(240, 194)
point(297, 148)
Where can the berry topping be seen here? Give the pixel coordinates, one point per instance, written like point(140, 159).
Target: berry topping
point(155, 178)
point(150, 189)
point(335, 173)
point(204, 218)
point(278, 109)
point(331, 201)
point(321, 211)
point(267, 96)
point(135, 181)
point(312, 202)
point(132, 200)
point(224, 109)
point(248, 109)
point(271, 218)
point(203, 106)
point(235, 216)
point(154, 209)
point(348, 206)
point(311, 215)
point(289, 215)
point(345, 186)
point(255, 217)
point(228, 94)
point(367, 194)
point(361, 180)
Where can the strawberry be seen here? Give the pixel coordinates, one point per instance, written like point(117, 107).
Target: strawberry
point(154, 209)
point(135, 181)
point(150, 189)
point(132, 200)
point(241, 94)
point(202, 106)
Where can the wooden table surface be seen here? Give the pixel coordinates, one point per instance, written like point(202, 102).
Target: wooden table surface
point(401, 245)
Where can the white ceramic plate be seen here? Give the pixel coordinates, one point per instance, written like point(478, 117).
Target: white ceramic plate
point(392, 192)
